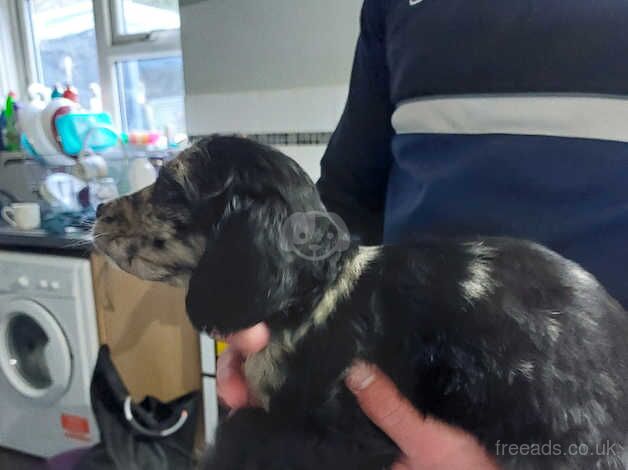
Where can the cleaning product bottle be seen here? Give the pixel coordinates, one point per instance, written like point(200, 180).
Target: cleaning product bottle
point(11, 138)
point(57, 91)
point(71, 93)
point(2, 127)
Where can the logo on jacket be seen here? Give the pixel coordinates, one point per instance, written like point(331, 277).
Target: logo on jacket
point(415, 2)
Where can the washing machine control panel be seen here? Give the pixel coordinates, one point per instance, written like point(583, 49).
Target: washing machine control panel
point(43, 281)
point(39, 284)
point(23, 282)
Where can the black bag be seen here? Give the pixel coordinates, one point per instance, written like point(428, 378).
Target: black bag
point(151, 435)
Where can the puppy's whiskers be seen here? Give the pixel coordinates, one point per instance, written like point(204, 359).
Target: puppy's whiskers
point(81, 242)
point(96, 236)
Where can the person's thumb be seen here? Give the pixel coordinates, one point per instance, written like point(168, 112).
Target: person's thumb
point(385, 406)
point(425, 442)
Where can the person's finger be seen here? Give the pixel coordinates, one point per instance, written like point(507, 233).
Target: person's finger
point(381, 401)
point(231, 384)
point(251, 340)
point(401, 465)
point(232, 388)
point(426, 442)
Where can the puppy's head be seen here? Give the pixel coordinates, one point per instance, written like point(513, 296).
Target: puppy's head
point(215, 220)
point(149, 233)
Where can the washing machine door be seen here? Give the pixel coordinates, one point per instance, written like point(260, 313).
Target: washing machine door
point(34, 352)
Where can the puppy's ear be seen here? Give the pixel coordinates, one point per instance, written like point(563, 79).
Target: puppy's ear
point(248, 271)
point(244, 275)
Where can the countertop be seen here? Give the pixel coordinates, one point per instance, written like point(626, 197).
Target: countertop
point(76, 243)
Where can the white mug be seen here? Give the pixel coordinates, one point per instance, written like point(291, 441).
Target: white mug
point(22, 215)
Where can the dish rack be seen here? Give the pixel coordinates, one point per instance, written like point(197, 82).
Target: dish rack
point(21, 176)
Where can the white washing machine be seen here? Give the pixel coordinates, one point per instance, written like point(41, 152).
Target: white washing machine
point(48, 349)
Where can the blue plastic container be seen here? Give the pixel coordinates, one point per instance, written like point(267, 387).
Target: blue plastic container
point(72, 129)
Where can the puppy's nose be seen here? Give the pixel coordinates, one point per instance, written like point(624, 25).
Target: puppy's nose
point(100, 210)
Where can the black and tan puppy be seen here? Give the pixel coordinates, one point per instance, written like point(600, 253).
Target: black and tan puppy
point(501, 337)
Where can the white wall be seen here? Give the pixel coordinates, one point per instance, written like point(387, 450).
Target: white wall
point(267, 66)
point(308, 156)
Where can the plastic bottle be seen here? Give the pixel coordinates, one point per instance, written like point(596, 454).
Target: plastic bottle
point(11, 136)
point(2, 126)
point(71, 93)
point(57, 92)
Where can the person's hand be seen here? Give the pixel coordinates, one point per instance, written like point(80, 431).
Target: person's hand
point(232, 387)
point(425, 443)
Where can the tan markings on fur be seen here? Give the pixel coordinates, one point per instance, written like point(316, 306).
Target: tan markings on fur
point(343, 287)
point(263, 370)
point(479, 282)
point(138, 227)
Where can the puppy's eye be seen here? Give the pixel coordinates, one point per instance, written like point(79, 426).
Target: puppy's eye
point(159, 243)
point(107, 219)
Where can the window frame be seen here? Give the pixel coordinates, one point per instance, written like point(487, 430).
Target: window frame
point(31, 61)
point(166, 38)
point(12, 59)
point(111, 47)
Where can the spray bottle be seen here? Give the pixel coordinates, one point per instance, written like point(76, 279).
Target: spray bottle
point(10, 134)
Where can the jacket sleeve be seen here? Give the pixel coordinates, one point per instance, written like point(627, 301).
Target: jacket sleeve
point(355, 167)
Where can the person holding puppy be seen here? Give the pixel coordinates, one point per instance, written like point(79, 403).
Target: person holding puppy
point(425, 442)
point(464, 118)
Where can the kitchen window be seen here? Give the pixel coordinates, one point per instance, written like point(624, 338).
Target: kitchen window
point(121, 55)
point(145, 16)
point(151, 93)
point(62, 38)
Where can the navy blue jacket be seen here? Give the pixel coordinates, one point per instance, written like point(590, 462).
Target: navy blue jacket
point(489, 117)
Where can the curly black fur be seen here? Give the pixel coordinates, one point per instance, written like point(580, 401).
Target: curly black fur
point(501, 337)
